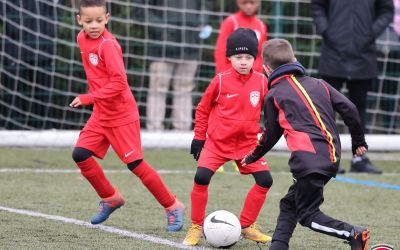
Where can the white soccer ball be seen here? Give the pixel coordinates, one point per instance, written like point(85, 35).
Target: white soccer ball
point(222, 229)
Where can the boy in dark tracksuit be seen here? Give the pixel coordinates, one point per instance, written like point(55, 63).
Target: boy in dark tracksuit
point(303, 108)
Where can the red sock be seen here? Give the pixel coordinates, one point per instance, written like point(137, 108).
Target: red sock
point(95, 175)
point(252, 205)
point(153, 182)
point(199, 198)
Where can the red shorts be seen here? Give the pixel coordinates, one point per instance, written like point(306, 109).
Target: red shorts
point(125, 140)
point(213, 161)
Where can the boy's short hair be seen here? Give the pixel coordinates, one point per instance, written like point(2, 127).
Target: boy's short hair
point(92, 3)
point(277, 52)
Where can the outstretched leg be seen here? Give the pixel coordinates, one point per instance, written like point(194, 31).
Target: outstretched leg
point(111, 198)
point(92, 171)
point(152, 181)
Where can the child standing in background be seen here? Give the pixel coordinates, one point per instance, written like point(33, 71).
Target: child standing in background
point(244, 18)
point(226, 128)
point(115, 118)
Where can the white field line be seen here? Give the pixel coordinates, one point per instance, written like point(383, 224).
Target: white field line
point(161, 171)
point(72, 171)
point(108, 229)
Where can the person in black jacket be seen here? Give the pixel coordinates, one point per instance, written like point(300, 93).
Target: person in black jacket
point(348, 54)
point(302, 108)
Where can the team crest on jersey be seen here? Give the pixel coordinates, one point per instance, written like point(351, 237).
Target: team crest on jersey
point(93, 59)
point(254, 98)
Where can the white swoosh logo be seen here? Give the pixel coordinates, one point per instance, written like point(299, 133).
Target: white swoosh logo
point(129, 153)
point(263, 163)
point(230, 96)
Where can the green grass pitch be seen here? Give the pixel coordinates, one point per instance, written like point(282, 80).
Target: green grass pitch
point(68, 195)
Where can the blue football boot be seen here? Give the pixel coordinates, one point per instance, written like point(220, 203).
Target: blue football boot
point(175, 217)
point(107, 207)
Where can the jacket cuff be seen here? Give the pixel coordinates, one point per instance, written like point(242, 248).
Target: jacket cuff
point(86, 99)
point(199, 137)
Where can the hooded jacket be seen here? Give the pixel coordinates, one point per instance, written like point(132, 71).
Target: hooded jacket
point(302, 108)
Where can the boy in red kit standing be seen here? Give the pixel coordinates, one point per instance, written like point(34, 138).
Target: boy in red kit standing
point(244, 18)
point(115, 118)
point(226, 128)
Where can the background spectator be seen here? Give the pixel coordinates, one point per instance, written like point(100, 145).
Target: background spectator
point(348, 53)
point(173, 48)
point(244, 18)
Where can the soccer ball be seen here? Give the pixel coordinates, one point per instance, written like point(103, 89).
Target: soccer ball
point(222, 229)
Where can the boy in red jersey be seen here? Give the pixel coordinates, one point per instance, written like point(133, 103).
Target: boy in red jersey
point(244, 18)
point(302, 108)
point(227, 124)
point(115, 118)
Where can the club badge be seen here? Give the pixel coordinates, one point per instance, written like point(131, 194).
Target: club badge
point(93, 59)
point(254, 98)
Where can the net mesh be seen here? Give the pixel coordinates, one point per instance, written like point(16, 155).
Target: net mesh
point(41, 70)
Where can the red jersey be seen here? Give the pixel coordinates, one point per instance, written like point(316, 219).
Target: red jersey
point(109, 92)
point(230, 24)
point(228, 114)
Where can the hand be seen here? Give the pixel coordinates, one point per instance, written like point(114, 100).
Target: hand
point(196, 147)
point(360, 151)
point(243, 162)
point(76, 103)
point(247, 159)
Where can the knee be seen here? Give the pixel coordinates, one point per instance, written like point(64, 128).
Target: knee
point(305, 218)
point(284, 204)
point(263, 179)
point(203, 176)
point(132, 165)
point(81, 154)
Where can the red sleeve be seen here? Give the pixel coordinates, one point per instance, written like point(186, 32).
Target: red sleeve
point(264, 36)
point(112, 56)
point(204, 108)
point(265, 85)
point(221, 61)
point(265, 90)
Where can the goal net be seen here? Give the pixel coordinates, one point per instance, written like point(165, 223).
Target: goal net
point(41, 70)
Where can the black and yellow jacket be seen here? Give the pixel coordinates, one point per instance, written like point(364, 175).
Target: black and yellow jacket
point(302, 108)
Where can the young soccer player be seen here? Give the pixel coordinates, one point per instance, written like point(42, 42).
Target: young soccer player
point(246, 17)
point(226, 128)
point(115, 118)
point(303, 108)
